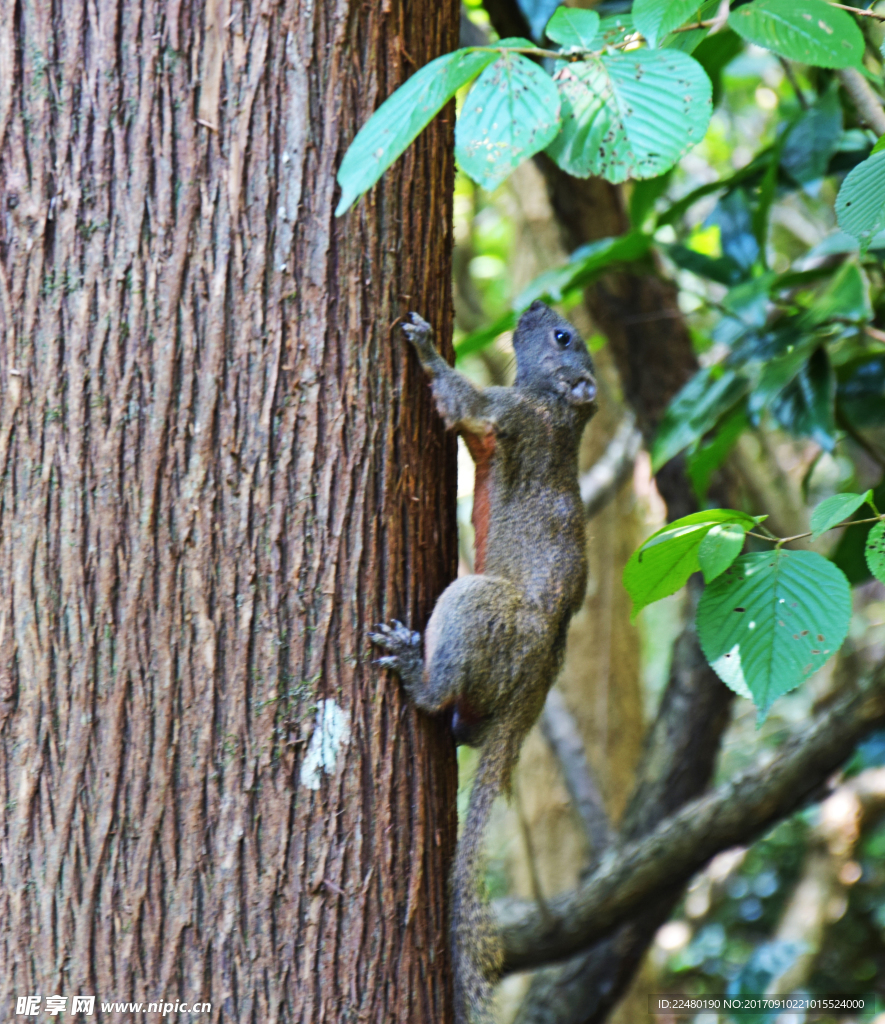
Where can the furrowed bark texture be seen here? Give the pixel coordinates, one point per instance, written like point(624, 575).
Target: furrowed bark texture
point(212, 442)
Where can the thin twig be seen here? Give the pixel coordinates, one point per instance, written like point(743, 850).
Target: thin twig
point(860, 11)
point(868, 103)
point(561, 732)
point(791, 78)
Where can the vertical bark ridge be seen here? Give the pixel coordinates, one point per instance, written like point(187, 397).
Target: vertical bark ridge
point(217, 468)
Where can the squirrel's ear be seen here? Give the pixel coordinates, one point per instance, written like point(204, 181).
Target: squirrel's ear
point(537, 305)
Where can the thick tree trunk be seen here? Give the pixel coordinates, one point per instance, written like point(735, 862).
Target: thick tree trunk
point(218, 467)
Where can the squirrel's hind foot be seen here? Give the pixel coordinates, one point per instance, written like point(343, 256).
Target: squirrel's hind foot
point(405, 651)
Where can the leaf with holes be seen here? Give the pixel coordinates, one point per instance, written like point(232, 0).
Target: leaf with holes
point(571, 27)
point(510, 114)
point(832, 511)
point(402, 117)
point(810, 31)
point(875, 551)
point(771, 620)
point(720, 548)
point(655, 18)
point(860, 205)
point(661, 565)
point(630, 115)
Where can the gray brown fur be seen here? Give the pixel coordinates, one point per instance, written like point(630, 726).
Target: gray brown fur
point(495, 641)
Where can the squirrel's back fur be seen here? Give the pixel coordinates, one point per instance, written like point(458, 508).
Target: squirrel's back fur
point(495, 640)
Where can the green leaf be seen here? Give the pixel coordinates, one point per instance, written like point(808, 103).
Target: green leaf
point(810, 31)
point(661, 565)
point(613, 30)
point(695, 410)
point(879, 147)
point(849, 555)
point(831, 511)
point(813, 139)
point(571, 27)
point(482, 337)
point(402, 117)
point(860, 394)
point(807, 407)
point(875, 551)
point(724, 269)
point(510, 114)
point(714, 53)
point(655, 18)
point(706, 459)
point(860, 205)
point(630, 115)
point(585, 264)
point(771, 620)
point(719, 549)
point(643, 196)
point(846, 297)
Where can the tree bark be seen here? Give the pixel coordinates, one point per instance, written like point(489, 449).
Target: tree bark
point(219, 466)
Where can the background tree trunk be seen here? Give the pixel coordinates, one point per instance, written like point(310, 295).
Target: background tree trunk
point(212, 446)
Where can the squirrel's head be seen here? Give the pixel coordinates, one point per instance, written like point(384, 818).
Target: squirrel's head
point(551, 357)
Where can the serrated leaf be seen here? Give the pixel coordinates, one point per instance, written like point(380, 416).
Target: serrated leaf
point(655, 18)
point(572, 27)
point(810, 31)
point(661, 565)
point(630, 115)
point(773, 619)
point(401, 118)
point(719, 549)
point(832, 511)
point(695, 410)
point(875, 551)
point(510, 114)
point(860, 205)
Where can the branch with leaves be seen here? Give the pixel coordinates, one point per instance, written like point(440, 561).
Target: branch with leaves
point(626, 99)
point(767, 620)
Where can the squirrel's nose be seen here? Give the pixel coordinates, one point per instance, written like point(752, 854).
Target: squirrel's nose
point(584, 390)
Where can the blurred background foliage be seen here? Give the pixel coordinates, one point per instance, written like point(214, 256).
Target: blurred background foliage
point(787, 320)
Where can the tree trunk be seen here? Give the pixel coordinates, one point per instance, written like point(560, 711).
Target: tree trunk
point(219, 466)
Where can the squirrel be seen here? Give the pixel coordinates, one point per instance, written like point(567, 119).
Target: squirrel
point(496, 639)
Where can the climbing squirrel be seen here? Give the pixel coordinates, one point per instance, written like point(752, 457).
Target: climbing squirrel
point(496, 639)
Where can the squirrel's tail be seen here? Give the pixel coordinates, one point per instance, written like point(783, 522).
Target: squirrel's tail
point(476, 952)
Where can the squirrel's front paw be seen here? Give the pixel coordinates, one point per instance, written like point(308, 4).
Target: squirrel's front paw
point(419, 333)
point(403, 644)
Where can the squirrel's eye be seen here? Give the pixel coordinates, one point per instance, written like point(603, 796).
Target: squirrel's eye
point(563, 338)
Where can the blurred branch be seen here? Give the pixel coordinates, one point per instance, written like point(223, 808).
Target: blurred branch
point(734, 813)
point(869, 105)
point(603, 479)
point(561, 732)
point(819, 896)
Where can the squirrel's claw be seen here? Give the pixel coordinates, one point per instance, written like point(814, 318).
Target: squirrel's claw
point(419, 331)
